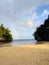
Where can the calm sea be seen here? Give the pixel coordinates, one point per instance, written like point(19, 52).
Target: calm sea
point(23, 42)
point(20, 42)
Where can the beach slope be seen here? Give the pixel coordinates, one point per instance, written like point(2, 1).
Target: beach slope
point(25, 55)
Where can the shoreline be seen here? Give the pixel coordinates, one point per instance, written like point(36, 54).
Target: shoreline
point(40, 45)
point(26, 44)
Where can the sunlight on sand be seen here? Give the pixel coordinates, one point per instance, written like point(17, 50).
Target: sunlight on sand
point(25, 55)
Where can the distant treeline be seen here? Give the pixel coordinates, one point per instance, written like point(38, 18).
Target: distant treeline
point(5, 35)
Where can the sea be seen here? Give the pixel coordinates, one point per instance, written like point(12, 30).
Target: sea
point(23, 42)
point(17, 42)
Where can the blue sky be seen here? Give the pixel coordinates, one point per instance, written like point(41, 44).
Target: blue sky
point(22, 17)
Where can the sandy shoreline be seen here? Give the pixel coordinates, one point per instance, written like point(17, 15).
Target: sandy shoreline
point(25, 55)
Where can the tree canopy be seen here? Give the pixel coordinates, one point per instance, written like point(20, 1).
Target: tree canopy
point(42, 32)
point(5, 35)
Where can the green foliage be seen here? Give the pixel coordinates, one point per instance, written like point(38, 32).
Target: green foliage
point(5, 35)
point(42, 32)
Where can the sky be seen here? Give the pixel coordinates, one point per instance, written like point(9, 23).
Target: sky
point(23, 17)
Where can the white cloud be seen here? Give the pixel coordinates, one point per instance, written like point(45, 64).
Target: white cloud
point(44, 13)
point(35, 19)
point(25, 24)
point(32, 23)
point(38, 20)
point(45, 2)
point(14, 32)
point(35, 16)
point(13, 10)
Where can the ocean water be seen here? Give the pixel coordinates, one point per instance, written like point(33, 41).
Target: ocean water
point(23, 42)
point(19, 42)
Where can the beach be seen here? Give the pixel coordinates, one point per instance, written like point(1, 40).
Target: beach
point(25, 54)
